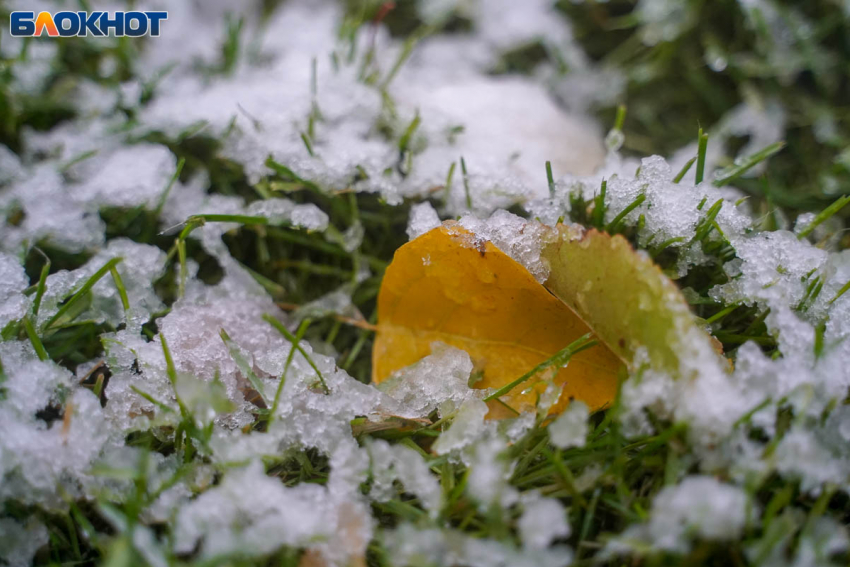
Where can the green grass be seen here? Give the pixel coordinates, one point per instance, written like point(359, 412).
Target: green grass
point(632, 470)
point(666, 100)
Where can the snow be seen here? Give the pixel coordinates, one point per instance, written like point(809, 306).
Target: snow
point(490, 471)
point(542, 521)
point(699, 506)
point(50, 214)
point(517, 237)
point(41, 462)
point(418, 393)
point(570, 428)
point(504, 128)
point(823, 539)
point(663, 20)
point(771, 269)
point(467, 426)
point(409, 545)
point(396, 462)
point(504, 155)
point(13, 281)
point(130, 177)
point(801, 454)
point(671, 211)
point(271, 515)
point(423, 218)
point(19, 542)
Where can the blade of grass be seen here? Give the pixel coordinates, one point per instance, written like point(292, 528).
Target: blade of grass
point(241, 219)
point(466, 183)
point(588, 518)
point(550, 179)
point(287, 173)
point(307, 144)
point(721, 314)
point(614, 225)
point(706, 225)
point(684, 170)
point(404, 141)
point(242, 364)
point(702, 146)
point(731, 173)
point(164, 197)
point(122, 291)
point(42, 284)
point(291, 338)
point(449, 182)
point(299, 334)
point(405, 52)
point(86, 287)
point(567, 477)
point(152, 400)
point(621, 117)
point(184, 271)
point(662, 246)
point(599, 206)
point(33, 337)
point(559, 359)
point(824, 215)
point(841, 292)
point(171, 371)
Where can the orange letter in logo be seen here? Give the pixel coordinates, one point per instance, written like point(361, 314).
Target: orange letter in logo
point(45, 20)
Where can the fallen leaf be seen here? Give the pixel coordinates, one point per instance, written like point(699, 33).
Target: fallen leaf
point(446, 286)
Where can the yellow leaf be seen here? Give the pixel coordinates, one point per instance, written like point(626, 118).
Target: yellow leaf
point(444, 286)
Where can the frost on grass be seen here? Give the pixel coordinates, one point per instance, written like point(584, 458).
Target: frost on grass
point(41, 461)
point(504, 128)
point(409, 545)
point(19, 542)
point(280, 211)
point(271, 515)
point(13, 281)
point(570, 428)
point(670, 212)
point(293, 112)
point(543, 520)
point(390, 463)
point(698, 507)
point(138, 266)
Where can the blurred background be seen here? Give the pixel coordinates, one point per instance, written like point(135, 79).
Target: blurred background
point(759, 70)
point(750, 71)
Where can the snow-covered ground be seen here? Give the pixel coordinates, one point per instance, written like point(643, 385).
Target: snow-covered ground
point(335, 113)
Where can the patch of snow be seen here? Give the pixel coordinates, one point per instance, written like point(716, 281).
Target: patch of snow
point(570, 428)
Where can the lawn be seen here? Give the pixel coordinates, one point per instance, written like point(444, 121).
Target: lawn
point(263, 278)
